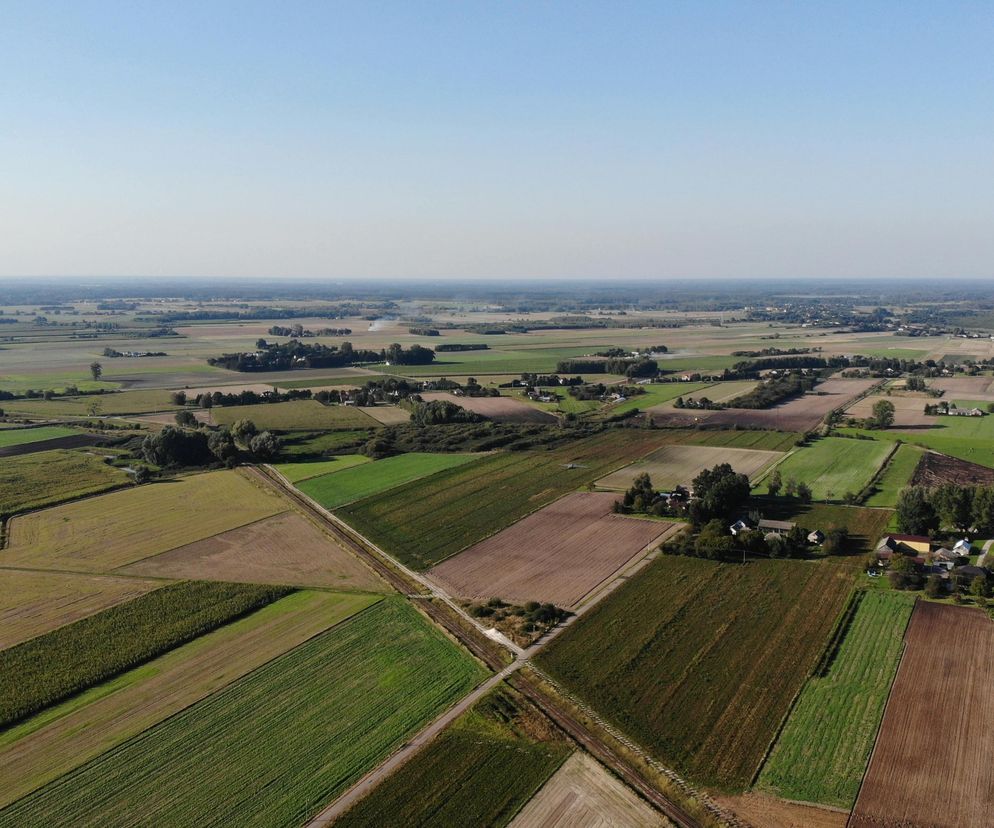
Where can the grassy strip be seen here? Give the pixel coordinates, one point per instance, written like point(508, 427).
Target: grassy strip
point(895, 476)
point(56, 665)
point(20, 436)
point(295, 472)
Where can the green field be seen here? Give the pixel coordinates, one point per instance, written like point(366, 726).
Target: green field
point(314, 445)
point(824, 748)
point(295, 472)
point(57, 382)
point(895, 476)
point(699, 661)
point(832, 466)
point(760, 440)
point(968, 438)
point(480, 771)
point(278, 744)
point(296, 415)
point(656, 394)
point(120, 402)
point(48, 477)
point(21, 436)
point(364, 480)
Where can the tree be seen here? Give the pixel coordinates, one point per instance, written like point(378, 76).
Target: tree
point(142, 475)
point(983, 509)
point(265, 446)
point(175, 447)
point(804, 492)
point(186, 419)
point(953, 504)
point(979, 587)
point(96, 369)
point(883, 414)
point(915, 383)
point(836, 541)
point(222, 445)
point(714, 542)
point(790, 489)
point(934, 586)
point(244, 430)
point(775, 483)
point(915, 514)
point(178, 397)
point(721, 493)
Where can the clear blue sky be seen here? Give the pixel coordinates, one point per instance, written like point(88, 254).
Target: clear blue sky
point(409, 139)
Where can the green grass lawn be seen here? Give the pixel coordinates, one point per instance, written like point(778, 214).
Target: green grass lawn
point(295, 472)
point(296, 415)
point(896, 475)
point(832, 466)
point(21, 436)
point(823, 749)
point(341, 487)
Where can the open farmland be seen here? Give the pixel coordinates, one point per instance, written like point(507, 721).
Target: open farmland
point(832, 466)
point(423, 523)
point(931, 762)
point(657, 394)
point(974, 388)
point(699, 661)
point(584, 795)
point(338, 488)
point(117, 529)
point(500, 409)
point(480, 771)
point(733, 438)
point(865, 525)
point(283, 549)
point(295, 415)
point(909, 410)
point(678, 465)
point(32, 603)
point(19, 436)
point(65, 736)
point(326, 711)
point(967, 438)
point(387, 414)
point(936, 469)
point(898, 473)
point(32, 481)
point(769, 812)
point(295, 472)
point(118, 402)
point(556, 555)
point(822, 752)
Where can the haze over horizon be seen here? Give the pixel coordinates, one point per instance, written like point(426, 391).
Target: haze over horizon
point(442, 140)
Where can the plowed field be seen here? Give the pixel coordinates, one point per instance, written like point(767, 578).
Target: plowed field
point(501, 409)
point(936, 469)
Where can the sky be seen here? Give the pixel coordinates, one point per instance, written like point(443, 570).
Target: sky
point(626, 140)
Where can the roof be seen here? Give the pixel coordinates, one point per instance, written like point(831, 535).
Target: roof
point(776, 524)
point(910, 538)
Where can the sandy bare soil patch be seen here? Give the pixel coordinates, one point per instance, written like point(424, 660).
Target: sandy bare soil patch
point(501, 409)
point(32, 603)
point(558, 554)
point(284, 549)
point(932, 761)
point(908, 410)
point(760, 810)
point(679, 465)
point(936, 469)
point(581, 794)
point(387, 414)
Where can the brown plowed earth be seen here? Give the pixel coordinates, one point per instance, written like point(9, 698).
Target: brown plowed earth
point(932, 763)
point(71, 442)
point(770, 812)
point(935, 469)
point(557, 554)
point(500, 409)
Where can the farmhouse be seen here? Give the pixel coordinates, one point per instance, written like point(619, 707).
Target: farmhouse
point(905, 544)
point(817, 537)
point(775, 527)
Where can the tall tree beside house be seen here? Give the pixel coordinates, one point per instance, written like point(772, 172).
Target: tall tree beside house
point(774, 483)
point(721, 493)
point(915, 514)
point(954, 505)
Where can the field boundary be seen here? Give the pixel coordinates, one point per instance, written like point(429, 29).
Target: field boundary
point(879, 473)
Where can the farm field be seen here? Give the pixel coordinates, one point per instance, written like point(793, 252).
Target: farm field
point(295, 415)
point(769, 812)
point(897, 474)
point(69, 734)
point(716, 392)
point(908, 780)
point(120, 528)
point(656, 394)
point(118, 402)
point(909, 410)
point(760, 440)
point(500, 409)
point(33, 481)
point(423, 523)
point(832, 466)
point(19, 436)
point(480, 771)
point(556, 555)
point(283, 549)
point(584, 795)
point(295, 472)
point(822, 752)
point(966, 438)
point(314, 444)
point(393, 671)
point(699, 661)
point(936, 469)
point(387, 414)
point(973, 388)
point(677, 465)
point(336, 489)
point(32, 603)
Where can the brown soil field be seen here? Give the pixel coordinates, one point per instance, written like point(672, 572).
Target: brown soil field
point(909, 411)
point(932, 763)
point(387, 414)
point(75, 441)
point(679, 465)
point(581, 794)
point(768, 812)
point(32, 603)
point(936, 469)
point(501, 409)
point(558, 554)
point(283, 549)
point(964, 388)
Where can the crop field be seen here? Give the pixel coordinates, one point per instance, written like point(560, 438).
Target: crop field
point(321, 444)
point(966, 438)
point(732, 438)
point(898, 473)
point(936, 469)
point(938, 720)
point(339, 488)
point(295, 415)
point(65, 736)
point(325, 712)
point(425, 522)
point(118, 402)
point(974, 388)
point(823, 749)
point(672, 466)
point(716, 392)
point(480, 771)
point(19, 436)
point(32, 603)
point(51, 667)
point(656, 395)
point(584, 795)
point(909, 410)
point(557, 554)
point(283, 549)
point(769, 812)
point(387, 414)
point(832, 466)
point(295, 472)
point(120, 528)
point(700, 661)
point(500, 409)
point(32, 481)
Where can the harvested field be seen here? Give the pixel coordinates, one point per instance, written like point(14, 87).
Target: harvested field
point(118, 529)
point(671, 466)
point(932, 761)
point(33, 603)
point(64, 737)
point(970, 388)
point(699, 661)
point(755, 439)
point(283, 549)
point(387, 414)
point(295, 472)
point(556, 555)
point(832, 466)
point(296, 415)
point(584, 795)
point(36, 480)
point(936, 469)
point(909, 411)
point(766, 812)
point(117, 402)
point(501, 409)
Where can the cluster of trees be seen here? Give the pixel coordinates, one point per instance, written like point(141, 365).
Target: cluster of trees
point(423, 331)
point(247, 397)
point(299, 330)
point(456, 346)
point(113, 353)
point(964, 508)
point(882, 416)
point(772, 391)
point(791, 488)
point(294, 354)
point(766, 352)
point(704, 403)
point(178, 447)
point(629, 367)
point(549, 380)
point(904, 573)
point(442, 412)
point(643, 499)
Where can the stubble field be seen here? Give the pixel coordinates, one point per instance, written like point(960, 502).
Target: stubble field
point(671, 466)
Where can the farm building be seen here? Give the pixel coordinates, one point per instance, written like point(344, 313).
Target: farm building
point(775, 527)
point(817, 537)
point(905, 544)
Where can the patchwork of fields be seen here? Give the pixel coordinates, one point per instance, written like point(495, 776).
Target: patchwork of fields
point(677, 465)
